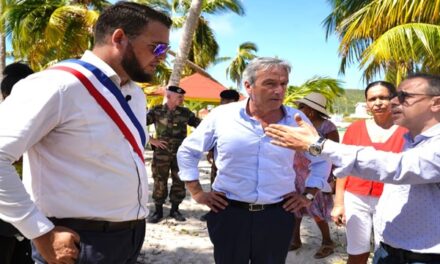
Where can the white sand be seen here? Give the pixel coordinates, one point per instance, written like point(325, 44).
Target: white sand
point(172, 242)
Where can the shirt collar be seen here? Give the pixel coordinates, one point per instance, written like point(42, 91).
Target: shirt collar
point(287, 113)
point(90, 57)
point(430, 132)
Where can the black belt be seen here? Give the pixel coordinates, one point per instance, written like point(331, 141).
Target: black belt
point(95, 225)
point(408, 256)
point(253, 207)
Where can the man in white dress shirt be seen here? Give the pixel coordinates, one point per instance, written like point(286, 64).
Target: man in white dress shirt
point(81, 124)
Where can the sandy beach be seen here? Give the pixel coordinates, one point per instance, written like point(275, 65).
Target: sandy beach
point(172, 242)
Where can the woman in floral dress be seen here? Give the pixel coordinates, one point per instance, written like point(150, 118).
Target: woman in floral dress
point(313, 106)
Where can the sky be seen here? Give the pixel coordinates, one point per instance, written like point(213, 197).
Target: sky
point(288, 29)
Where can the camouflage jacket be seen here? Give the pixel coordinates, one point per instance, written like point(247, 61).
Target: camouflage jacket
point(171, 125)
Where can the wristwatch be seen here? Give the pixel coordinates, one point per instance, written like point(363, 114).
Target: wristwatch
point(309, 196)
point(316, 148)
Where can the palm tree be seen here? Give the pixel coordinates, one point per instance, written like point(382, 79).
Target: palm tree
point(238, 64)
point(203, 48)
point(329, 87)
point(185, 42)
point(341, 10)
point(394, 52)
point(390, 36)
point(44, 32)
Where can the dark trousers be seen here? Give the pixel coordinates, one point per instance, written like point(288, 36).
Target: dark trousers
point(13, 251)
point(388, 255)
point(114, 247)
point(240, 236)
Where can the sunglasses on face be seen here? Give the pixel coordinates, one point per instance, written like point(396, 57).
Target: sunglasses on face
point(160, 49)
point(402, 95)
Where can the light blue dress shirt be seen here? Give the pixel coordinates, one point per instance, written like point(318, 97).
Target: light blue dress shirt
point(409, 208)
point(250, 168)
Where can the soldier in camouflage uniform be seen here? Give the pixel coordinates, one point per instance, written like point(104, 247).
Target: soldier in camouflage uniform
point(170, 121)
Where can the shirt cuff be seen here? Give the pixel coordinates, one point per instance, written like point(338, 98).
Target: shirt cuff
point(342, 156)
point(34, 225)
point(328, 148)
point(189, 174)
point(315, 183)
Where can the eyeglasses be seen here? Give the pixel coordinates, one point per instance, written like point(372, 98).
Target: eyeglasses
point(160, 49)
point(402, 95)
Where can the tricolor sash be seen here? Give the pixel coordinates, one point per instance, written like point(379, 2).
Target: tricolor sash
point(114, 104)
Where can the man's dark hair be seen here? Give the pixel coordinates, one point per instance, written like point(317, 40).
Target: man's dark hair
point(130, 17)
point(433, 87)
point(390, 87)
point(230, 95)
point(12, 74)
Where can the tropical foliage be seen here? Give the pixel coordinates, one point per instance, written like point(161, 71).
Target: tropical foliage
point(196, 106)
point(238, 64)
point(329, 87)
point(394, 37)
point(204, 47)
point(347, 104)
point(44, 32)
point(189, 27)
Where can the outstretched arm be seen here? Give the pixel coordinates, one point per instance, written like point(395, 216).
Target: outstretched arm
point(365, 161)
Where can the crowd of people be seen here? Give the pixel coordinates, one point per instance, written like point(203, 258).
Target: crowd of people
point(81, 125)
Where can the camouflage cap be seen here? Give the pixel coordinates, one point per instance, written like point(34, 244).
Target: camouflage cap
point(176, 89)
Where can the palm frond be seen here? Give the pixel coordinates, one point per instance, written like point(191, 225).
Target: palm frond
point(402, 49)
point(360, 23)
point(329, 87)
point(204, 48)
point(222, 6)
point(246, 52)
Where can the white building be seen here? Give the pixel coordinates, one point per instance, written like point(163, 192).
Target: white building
point(360, 111)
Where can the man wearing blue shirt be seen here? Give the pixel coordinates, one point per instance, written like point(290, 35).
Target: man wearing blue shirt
point(409, 208)
point(253, 194)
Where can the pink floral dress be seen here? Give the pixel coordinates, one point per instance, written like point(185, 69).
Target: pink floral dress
point(322, 205)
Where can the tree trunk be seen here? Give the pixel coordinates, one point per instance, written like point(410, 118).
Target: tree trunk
point(2, 45)
point(185, 43)
point(192, 65)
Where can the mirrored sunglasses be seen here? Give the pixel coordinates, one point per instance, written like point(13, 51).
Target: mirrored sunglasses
point(160, 49)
